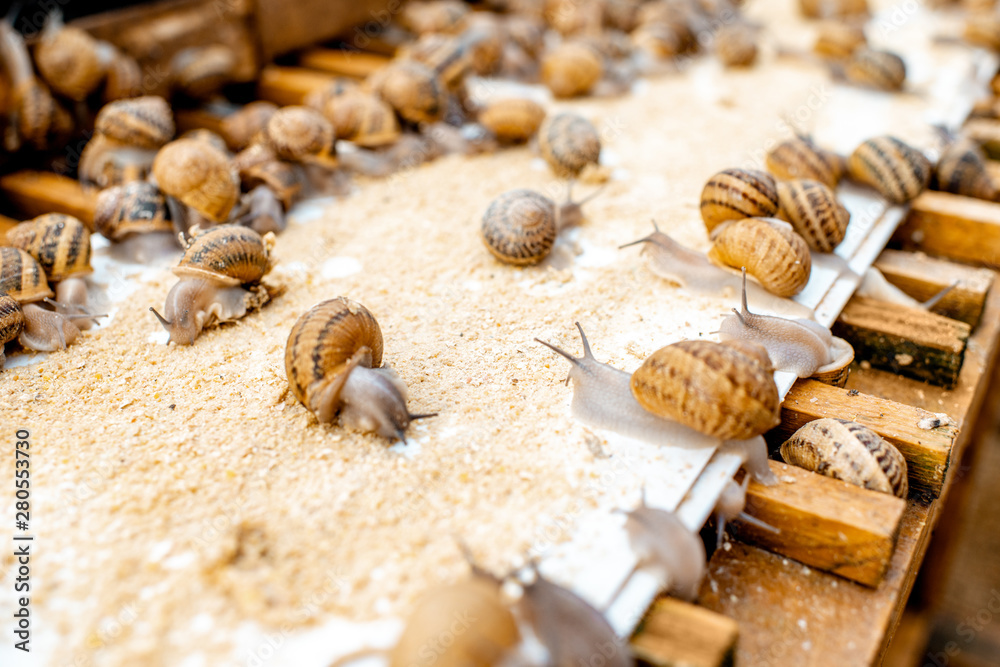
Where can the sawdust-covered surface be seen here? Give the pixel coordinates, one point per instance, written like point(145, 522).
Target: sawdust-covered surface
point(185, 506)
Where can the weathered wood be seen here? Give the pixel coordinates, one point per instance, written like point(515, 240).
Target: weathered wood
point(824, 522)
point(953, 226)
point(678, 634)
point(927, 451)
point(353, 64)
point(290, 85)
point(922, 277)
point(908, 341)
point(38, 192)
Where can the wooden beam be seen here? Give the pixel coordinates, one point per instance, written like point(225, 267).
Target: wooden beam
point(38, 192)
point(824, 522)
point(927, 451)
point(953, 226)
point(922, 277)
point(290, 85)
point(679, 634)
point(353, 64)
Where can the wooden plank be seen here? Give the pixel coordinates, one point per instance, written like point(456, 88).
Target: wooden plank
point(353, 64)
point(285, 26)
point(927, 452)
point(824, 522)
point(290, 85)
point(679, 634)
point(908, 341)
point(922, 277)
point(953, 226)
point(38, 192)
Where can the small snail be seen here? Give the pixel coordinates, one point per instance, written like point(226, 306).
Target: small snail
point(299, 134)
point(961, 169)
point(692, 393)
point(880, 70)
point(134, 208)
point(736, 45)
point(333, 362)
point(433, 16)
point(665, 545)
point(124, 77)
point(31, 109)
point(569, 143)
point(219, 281)
point(412, 89)
point(659, 40)
point(11, 323)
point(61, 246)
point(448, 56)
point(71, 61)
point(839, 39)
point(247, 125)
point(771, 251)
point(512, 120)
point(826, 9)
point(272, 188)
point(362, 119)
point(483, 39)
point(200, 71)
point(850, 452)
point(142, 122)
point(800, 158)
point(318, 98)
point(730, 506)
point(105, 162)
point(896, 170)
point(735, 194)
point(198, 175)
point(279, 177)
point(571, 70)
point(814, 212)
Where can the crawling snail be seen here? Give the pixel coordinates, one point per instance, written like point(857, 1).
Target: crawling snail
point(362, 118)
point(871, 68)
point(412, 89)
point(333, 362)
point(247, 125)
point(961, 169)
point(569, 143)
point(693, 393)
point(896, 170)
point(301, 134)
point(666, 546)
point(814, 212)
point(220, 275)
point(71, 61)
point(272, 188)
point(135, 219)
point(769, 249)
point(128, 134)
point(200, 182)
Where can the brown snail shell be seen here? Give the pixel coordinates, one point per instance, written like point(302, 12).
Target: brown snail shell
point(519, 227)
point(133, 208)
point(22, 277)
point(60, 243)
point(569, 142)
point(982, 28)
point(124, 78)
point(69, 60)
point(801, 158)
point(526, 32)
point(205, 135)
point(881, 70)
point(317, 99)
point(713, 388)
point(735, 194)
point(434, 16)
point(253, 155)
point(105, 162)
point(814, 212)
point(736, 45)
point(36, 110)
point(299, 133)
point(839, 39)
point(484, 41)
point(11, 322)
point(412, 89)
point(898, 171)
point(660, 40)
point(830, 9)
point(769, 249)
point(143, 122)
point(512, 120)
point(202, 70)
point(447, 55)
point(363, 119)
point(571, 70)
point(228, 255)
point(848, 451)
point(961, 169)
point(279, 176)
point(247, 125)
point(199, 175)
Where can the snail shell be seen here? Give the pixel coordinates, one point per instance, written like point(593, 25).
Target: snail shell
point(435, 16)
point(512, 120)
point(36, 110)
point(412, 89)
point(826, 9)
point(770, 250)
point(69, 59)
point(297, 133)
point(124, 78)
point(961, 169)
point(736, 45)
point(801, 158)
point(484, 41)
point(571, 70)
point(520, 227)
point(134, 208)
point(898, 171)
point(318, 98)
point(60, 243)
point(569, 142)
point(143, 122)
point(839, 40)
point(278, 176)
point(247, 125)
point(11, 322)
point(526, 32)
point(881, 70)
point(22, 277)
point(201, 71)
point(251, 156)
point(199, 175)
point(848, 451)
point(362, 119)
point(735, 194)
point(228, 255)
point(447, 55)
point(660, 40)
point(815, 213)
point(713, 388)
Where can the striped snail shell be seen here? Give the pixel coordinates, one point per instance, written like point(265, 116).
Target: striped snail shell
point(961, 169)
point(71, 61)
point(569, 142)
point(228, 255)
point(278, 176)
point(300, 133)
point(839, 39)
point(735, 194)
point(247, 125)
point(483, 39)
point(363, 119)
point(571, 70)
point(815, 213)
point(801, 158)
point(736, 45)
point(200, 71)
point(143, 122)
point(11, 322)
point(713, 388)
point(512, 120)
point(124, 78)
point(898, 171)
point(850, 452)
point(134, 208)
point(880, 70)
point(22, 277)
point(448, 56)
point(36, 110)
point(251, 156)
point(770, 250)
point(520, 227)
point(199, 175)
point(412, 89)
point(60, 243)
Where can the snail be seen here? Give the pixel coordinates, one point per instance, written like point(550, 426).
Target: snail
point(448, 56)
point(876, 69)
point(571, 70)
point(199, 176)
point(769, 249)
point(333, 363)
point(801, 346)
point(814, 212)
point(736, 45)
point(135, 219)
point(659, 40)
point(569, 143)
point(483, 39)
point(70, 61)
point(412, 90)
point(219, 281)
point(200, 71)
point(826, 9)
point(318, 97)
point(526, 32)
point(247, 125)
point(800, 158)
point(11, 323)
point(434, 16)
point(512, 120)
point(730, 506)
point(896, 170)
point(272, 189)
point(31, 108)
point(301, 134)
point(734, 194)
point(665, 545)
point(729, 397)
point(961, 169)
point(142, 122)
point(362, 119)
point(850, 452)
point(105, 163)
point(839, 39)
point(691, 270)
point(520, 226)
point(123, 79)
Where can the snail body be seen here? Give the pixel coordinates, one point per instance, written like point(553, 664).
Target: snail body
point(896, 170)
point(730, 506)
point(569, 143)
point(876, 69)
point(848, 451)
point(663, 543)
point(734, 194)
point(800, 158)
point(814, 212)
point(769, 249)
